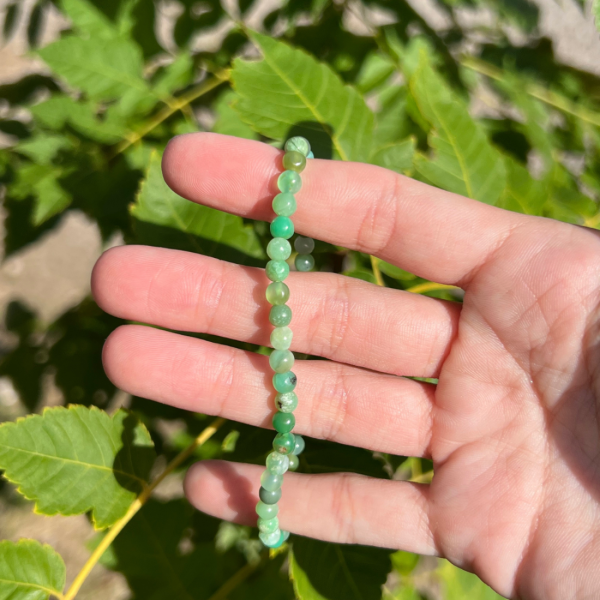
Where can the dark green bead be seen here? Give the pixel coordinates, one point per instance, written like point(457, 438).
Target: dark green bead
point(297, 144)
point(284, 204)
point(294, 462)
point(284, 382)
point(304, 262)
point(282, 227)
point(284, 422)
point(280, 316)
point(284, 443)
point(278, 293)
point(277, 270)
point(289, 181)
point(294, 161)
point(268, 497)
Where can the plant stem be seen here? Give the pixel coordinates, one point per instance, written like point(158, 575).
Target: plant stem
point(377, 271)
point(430, 286)
point(114, 531)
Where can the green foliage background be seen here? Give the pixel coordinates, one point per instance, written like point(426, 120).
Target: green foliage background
point(396, 95)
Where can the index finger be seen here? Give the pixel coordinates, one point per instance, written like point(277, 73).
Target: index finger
point(435, 234)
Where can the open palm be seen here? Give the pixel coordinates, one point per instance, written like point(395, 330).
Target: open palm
point(513, 425)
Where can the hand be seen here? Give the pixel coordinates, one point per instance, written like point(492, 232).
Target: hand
point(513, 427)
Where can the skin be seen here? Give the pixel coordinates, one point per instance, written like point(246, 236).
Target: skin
point(512, 427)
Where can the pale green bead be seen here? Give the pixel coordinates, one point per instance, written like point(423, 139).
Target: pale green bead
point(267, 511)
point(310, 155)
point(270, 481)
point(284, 204)
point(281, 361)
point(304, 245)
point(268, 525)
point(299, 444)
point(294, 462)
point(289, 181)
point(279, 249)
point(286, 402)
point(277, 293)
point(277, 463)
point(281, 338)
point(270, 539)
point(277, 270)
point(304, 262)
point(284, 535)
point(297, 144)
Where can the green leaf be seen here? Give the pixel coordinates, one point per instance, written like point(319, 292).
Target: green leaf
point(464, 160)
point(228, 121)
point(164, 218)
point(391, 122)
point(404, 562)
point(596, 12)
point(458, 584)
point(395, 272)
point(375, 70)
point(326, 571)
point(30, 571)
point(43, 147)
point(397, 157)
point(77, 459)
point(523, 193)
point(88, 21)
point(290, 93)
point(174, 76)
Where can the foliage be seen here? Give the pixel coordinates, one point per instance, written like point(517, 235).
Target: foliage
point(88, 137)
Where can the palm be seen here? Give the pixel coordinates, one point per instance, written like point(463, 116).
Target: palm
point(511, 426)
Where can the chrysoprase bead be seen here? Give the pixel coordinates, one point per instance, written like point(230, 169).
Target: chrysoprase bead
point(299, 445)
point(294, 462)
point(283, 536)
point(267, 511)
point(270, 481)
point(289, 181)
point(281, 361)
point(304, 262)
point(284, 205)
point(282, 227)
point(280, 315)
point(277, 463)
point(294, 161)
point(310, 155)
point(281, 338)
point(286, 402)
point(278, 293)
point(270, 539)
point(284, 443)
point(277, 270)
point(304, 245)
point(283, 422)
point(297, 144)
point(268, 525)
point(285, 382)
point(269, 496)
point(279, 249)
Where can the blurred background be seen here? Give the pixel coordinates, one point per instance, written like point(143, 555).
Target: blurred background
point(529, 69)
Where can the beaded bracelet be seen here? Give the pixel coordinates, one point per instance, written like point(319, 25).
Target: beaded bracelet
point(286, 445)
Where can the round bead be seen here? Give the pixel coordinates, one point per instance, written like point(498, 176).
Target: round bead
point(299, 445)
point(294, 161)
point(277, 270)
point(284, 205)
point(304, 262)
point(289, 181)
point(286, 403)
point(279, 249)
point(270, 481)
point(270, 539)
point(280, 315)
point(269, 496)
point(284, 443)
point(281, 361)
point(267, 511)
point(285, 382)
point(282, 227)
point(297, 144)
point(278, 293)
point(283, 536)
point(283, 422)
point(294, 462)
point(310, 155)
point(268, 525)
point(277, 463)
point(281, 338)
point(304, 245)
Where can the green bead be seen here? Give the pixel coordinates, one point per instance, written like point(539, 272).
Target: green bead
point(297, 144)
point(284, 443)
point(277, 270)
point(304, 245)
point(281, 338)
point(284, 422)
point(304, 262)
point(282, 227)
point(279, 249)
point(294, 161)
point(267, 511)
point(294, 462)
point(310, 155)
point(284, 205)
point(269, 496)
point(283, 536)
point(277, 463)
point(299, 445)
point(281, 361)
point(268, 525)
point(278, 293)
point(285, 382)
point(270, 481)
point(289, 181)
point(286, 403)
point(280, 315)
point(270, 539)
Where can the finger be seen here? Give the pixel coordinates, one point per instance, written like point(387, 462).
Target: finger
point(337, 317)
point(435, 234)
point(336, 402)
point(341, 507)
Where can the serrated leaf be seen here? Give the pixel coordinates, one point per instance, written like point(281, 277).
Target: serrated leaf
point(397, 157)
point(290, 93)
point(174, 76)
point(88, 20)
point(523, 193)
point(464, 160)
point(375, 70)
point(228, 121)
point(43, 147)
point(75, 460)
point(165, 218)
point(391, 122)
point(30, 571)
